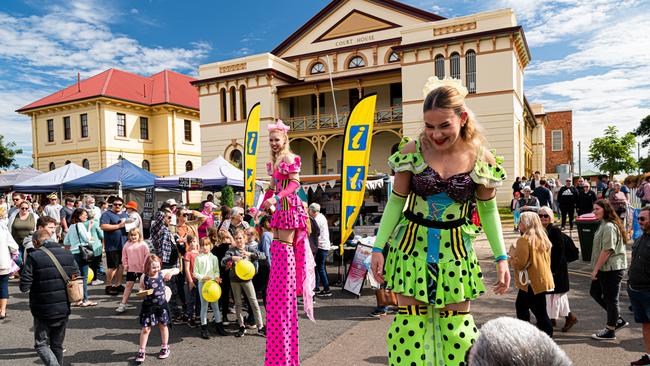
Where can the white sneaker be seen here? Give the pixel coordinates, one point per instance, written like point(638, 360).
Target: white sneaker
point(121, 308)
point(97, 282)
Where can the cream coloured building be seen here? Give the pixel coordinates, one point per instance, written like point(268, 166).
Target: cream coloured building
point(151, 121)
point(382, 47)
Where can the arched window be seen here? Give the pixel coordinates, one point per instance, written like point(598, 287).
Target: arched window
point(236, 158)
point(439, 65)
point(470, 70)
point(85, 163)
point(52, 166)
point(317, 68)
point(224, 103)
point(454, 62)
point(394, 57)
point(67, 162)
point(356, 61)
point(189, 166)
point(145, 165)
point(233, 103)
point(242, 102)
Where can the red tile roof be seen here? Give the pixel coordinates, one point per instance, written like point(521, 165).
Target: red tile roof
point(164, 87)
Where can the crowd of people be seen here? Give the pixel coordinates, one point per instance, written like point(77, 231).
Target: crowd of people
point(186, 248)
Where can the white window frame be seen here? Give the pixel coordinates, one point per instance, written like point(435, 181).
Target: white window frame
point(554, 140)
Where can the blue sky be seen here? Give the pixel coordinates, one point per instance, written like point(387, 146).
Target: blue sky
point(591, 56)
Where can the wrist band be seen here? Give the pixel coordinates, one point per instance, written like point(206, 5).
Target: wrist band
point(377, 250)
point(501, 258)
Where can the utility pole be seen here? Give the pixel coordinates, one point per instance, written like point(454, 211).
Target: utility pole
point(579, 160)
point(638, 157)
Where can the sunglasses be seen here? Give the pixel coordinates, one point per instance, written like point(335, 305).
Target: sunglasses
point(24, 208)
point(117, 204)
point(642, 219)
point(544, 216)
point(168, 217)
point(16, 199)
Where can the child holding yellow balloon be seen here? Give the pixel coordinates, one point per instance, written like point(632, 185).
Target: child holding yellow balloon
point(241, 257)
point(206, 270)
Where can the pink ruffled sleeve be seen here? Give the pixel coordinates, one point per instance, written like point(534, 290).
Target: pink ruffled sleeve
point(287, 169)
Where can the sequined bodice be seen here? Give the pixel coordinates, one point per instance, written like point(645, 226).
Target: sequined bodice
point(459, 187)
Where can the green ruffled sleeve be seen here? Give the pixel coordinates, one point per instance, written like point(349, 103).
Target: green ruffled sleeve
point(488, 174)
point(412, 162)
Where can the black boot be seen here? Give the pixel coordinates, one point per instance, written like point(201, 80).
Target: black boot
point(220, 330)
point(204, 331)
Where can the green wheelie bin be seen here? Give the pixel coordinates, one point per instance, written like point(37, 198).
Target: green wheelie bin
point(587, 225)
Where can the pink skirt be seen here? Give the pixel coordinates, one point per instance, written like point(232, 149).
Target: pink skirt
point(289, 214)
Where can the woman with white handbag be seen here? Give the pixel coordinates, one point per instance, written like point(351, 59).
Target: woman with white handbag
point(531, 259)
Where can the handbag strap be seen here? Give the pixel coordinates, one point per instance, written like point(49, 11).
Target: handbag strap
point(56, 263)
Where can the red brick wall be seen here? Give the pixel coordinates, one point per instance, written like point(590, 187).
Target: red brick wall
point(559, 121)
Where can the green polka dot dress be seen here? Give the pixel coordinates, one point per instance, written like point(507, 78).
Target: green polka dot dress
point(431, 258)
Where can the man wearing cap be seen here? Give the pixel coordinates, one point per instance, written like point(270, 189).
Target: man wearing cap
point(173, 207)
point(53, 210)
point(113, 222)
point(586, 199)
point(567, 197)
point(135, 220)
point(323, 249)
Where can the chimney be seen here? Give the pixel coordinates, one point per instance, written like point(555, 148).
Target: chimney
point(78, 82)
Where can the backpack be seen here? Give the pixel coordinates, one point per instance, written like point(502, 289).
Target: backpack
point(570, 250)
point(640, 192)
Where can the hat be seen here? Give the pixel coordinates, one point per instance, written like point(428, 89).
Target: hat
point(526, 189)
point(132, 205)
point(171, 202)
point(53, 196)
point(209, 205)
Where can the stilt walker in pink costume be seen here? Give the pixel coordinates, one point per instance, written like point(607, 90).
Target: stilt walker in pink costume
point(292, 267)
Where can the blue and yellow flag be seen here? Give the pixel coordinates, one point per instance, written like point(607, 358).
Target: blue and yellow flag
point(356, 155)
point(251, 140)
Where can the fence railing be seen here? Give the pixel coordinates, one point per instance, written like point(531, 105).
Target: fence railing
point(321, 121)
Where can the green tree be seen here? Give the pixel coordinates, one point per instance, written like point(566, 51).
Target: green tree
point(613, 154)
point(227, 196)
point(644, 164)
point(8, 153)
point(643, 131)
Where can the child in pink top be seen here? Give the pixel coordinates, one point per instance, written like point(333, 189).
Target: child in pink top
point(134, 255)
point(193, 300)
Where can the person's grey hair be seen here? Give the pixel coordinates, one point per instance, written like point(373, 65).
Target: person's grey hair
point(89, 199)
point(508, 341)
point(315, 207)
point(547, 210)
point(237, 211)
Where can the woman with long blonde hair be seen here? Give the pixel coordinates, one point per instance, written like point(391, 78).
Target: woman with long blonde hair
point(292, 268)
point(430, 262)
point(531, 259)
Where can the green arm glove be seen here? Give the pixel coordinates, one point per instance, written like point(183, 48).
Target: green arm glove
point(389, 219)
point(491, 223)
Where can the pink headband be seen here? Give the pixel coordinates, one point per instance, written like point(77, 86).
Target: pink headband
point(278, 126)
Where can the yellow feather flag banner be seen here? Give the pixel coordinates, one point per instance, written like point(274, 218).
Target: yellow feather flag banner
point(356, 155)
point(251, 143)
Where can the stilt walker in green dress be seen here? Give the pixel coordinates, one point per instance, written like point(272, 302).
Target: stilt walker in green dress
point(431, 263)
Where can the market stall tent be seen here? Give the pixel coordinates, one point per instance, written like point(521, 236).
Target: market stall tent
point(119, 176)
point(12, 177)
point(214, 175)
point(52, 181)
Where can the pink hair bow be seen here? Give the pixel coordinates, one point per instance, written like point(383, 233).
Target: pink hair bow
point(279, 125)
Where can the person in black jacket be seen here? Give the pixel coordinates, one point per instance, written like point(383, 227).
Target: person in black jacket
point(586, 199)
point(48, 299)
point(543, 194)
point(567, 198)
point(557, 301)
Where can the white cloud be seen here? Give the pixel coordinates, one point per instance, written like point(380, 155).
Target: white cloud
point(40, 54)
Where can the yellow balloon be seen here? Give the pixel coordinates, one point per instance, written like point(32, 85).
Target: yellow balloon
point(211, 291)
point(90, 277)
point(244, 269)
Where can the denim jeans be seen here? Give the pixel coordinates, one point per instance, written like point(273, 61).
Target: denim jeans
point(216, 314)
point(83, 267)
point(605, 290)
point(48, 340)
point(321, 272)
point(193, 300)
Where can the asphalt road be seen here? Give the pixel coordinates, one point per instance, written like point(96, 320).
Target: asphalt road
point(342, 334)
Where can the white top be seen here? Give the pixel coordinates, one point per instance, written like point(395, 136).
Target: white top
point(53, 211)
point(7, 246)
point(324, 236)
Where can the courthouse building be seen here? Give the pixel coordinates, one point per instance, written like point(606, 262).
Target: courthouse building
point(374, 46)
point(151, 121)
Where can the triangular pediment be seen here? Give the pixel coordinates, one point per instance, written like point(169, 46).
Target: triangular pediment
point(356, 22)
point(350, 18)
